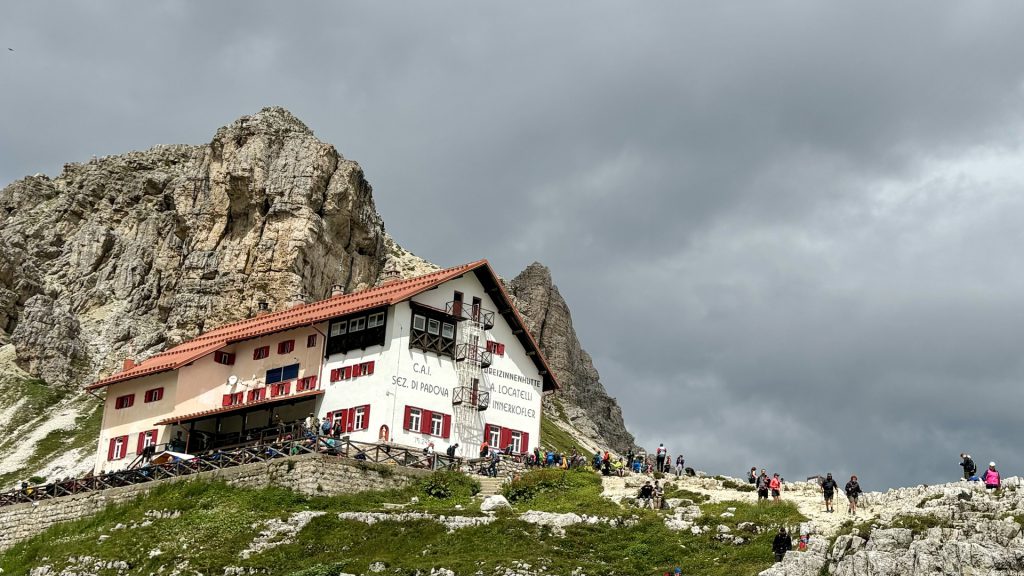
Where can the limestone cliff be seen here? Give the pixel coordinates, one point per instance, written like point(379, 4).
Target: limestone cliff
point(125, 255)
point(583, 401)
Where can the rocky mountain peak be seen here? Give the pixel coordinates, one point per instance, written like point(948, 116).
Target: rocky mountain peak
point(582, 399)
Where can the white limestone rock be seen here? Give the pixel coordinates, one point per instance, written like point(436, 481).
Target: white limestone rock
point(495, 503)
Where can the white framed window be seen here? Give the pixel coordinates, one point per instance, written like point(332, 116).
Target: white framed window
point(433, 326)
point(120, 447)
point(359, 419)
point(517, 441)
point(494, 436)
point(436, 424)
point(375, 320)
point(448, 331)
point(356, 324)
point(414, 419)
point(419, 322)
point(339, 328)
point(149, 438)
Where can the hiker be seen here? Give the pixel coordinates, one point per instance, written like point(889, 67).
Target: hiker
point(970, 468)
point(492, 470)
point(775, 485)
point(659, 495)
point(762, 486)
point(781, 544)
point(597, 460)
point(853, 492)
point(680, 465)
point(538, 460)
point(828, 488)
point(660, 457)
point(336, 429)
point(549, 459)
point(619, 467)
point(178, 444)
point(646, 493)
point(752, 475)
point(991, 477)
point(484, 449)
point(325, 427)
point(451, 450)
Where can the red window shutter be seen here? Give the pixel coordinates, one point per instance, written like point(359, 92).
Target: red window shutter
point(366, 416)
point(226, 401)
point(334, 375)
point(369, 367)
point(287, 388)
point(501, 349)
point(407, 420)
point(505, 438)
point(256, 354)
point(526, 443)
point(348, 372)
point(231, 358)
point(110, 450)
point(124, 446)
point(344, 420)
point(312, 382)
point(311, 341)
point(142, 438)
point(446, 426)
point(425, 416)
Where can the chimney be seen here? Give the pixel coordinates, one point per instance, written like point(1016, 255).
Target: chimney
point(390, 275)
point(337, 290)
point(128, 365)
point(297, 300)
point(262, 308)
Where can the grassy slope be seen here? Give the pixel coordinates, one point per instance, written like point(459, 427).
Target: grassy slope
point(218, 521)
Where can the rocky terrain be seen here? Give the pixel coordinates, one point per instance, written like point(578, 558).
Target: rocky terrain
point(123, 256)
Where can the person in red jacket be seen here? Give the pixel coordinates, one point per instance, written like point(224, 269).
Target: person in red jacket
point(775, 485)
point(991, 477)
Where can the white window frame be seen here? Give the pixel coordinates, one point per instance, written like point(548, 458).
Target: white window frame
point(375, 320)
point(517, 441)
point(448, 331)
point(120, 448)
point(148, 438)
point(414, 419)
point(359, 418)
point(433, 327)
point(436, 424)
point(357, 324)
point(339, 328)
point(494, 437)
point(419, 322)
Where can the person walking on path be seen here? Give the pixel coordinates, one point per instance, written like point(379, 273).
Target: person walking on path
point(828, 488)
point(781, 544)
point(853, 492)
point(762, 486)
point(680, 465)
point(970, 468)
point(991, 477)
point(660, 457)
point(776, 487)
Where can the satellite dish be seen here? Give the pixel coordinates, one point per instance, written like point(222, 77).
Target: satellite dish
point(232, 380)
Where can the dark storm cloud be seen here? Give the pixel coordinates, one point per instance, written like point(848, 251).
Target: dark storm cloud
point(787, 231)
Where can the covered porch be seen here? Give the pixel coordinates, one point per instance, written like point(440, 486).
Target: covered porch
point(232, 426)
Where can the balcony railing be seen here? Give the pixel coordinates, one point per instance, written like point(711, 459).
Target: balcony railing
point(469, 353)
point(470, 312)
point(464, 395)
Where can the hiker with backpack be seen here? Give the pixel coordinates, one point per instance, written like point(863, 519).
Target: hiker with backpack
point(991, 477)
point(762, 486)
point(752, 475)
point(828, 489)
point(660, 457)
point(853, 492)
point(970, 468)
point(781, 544)
point(680, 465)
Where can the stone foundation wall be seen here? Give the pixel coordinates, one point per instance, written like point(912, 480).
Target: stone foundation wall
point(311, 474)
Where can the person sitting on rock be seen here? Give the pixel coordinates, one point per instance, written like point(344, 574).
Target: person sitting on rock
point(991, 477)
point(781, 544)
point(646, 494)
point(970, 468)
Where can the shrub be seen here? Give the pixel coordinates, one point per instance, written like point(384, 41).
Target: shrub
point(537, 481)
point(445, 484)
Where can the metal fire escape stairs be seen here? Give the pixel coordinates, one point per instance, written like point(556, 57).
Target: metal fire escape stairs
point(471, 396)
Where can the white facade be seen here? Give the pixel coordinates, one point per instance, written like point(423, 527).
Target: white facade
point(404, 376)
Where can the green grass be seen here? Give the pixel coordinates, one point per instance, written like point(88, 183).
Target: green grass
point(730, 484)
point(551, 436)
point(673, 491)
point(218, 521)
point(556, 490)
point(919, 524)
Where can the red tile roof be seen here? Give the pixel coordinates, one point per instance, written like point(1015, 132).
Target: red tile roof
point(226, 409)
point(386, 294)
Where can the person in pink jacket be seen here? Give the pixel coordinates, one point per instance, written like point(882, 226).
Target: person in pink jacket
point(991, 477)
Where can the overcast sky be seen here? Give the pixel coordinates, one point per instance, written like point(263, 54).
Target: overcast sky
point(790, 233)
